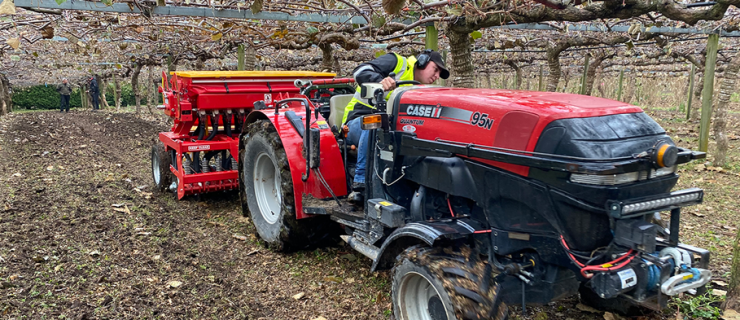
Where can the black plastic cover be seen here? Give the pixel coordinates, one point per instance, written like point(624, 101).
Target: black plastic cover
point(610, 136)
point(636, 234)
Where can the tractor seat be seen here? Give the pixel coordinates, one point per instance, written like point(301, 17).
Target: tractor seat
point(337, 104)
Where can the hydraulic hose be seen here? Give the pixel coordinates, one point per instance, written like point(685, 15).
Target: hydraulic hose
point(214, 128)
point(201, 127)
point(227, 124)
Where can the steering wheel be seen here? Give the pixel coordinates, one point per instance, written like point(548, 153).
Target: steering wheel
point(403, 82)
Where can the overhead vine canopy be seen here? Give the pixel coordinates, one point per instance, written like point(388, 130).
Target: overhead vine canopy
point(44, 40)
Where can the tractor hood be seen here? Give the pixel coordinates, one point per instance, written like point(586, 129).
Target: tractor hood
point(517, 119)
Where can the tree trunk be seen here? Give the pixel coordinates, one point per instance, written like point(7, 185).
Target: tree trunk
point(488, 80)
point(698, 88)
point(200, 64)
point(116, 92)
point(88, 97)
point(732, 300)
point(149, 90)
point(462, 60)
point(327, 56)
point(600, 82)
point(135, 87)
point(4, 92)
point(337, 67)
point(591, 73)
point(566, 80)
point(720, 122)
point(630, 89)
point(103, 89)
point(517, 83)
point(8, 94)
point(553, 63)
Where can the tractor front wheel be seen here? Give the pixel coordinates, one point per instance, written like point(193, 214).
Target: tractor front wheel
point(444, 284)
point(161, 162)
point(266, 188)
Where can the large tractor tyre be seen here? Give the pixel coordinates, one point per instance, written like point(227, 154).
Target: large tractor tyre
point(618, 305)
point(161, 162)
point(266, 192)
point(444, 284)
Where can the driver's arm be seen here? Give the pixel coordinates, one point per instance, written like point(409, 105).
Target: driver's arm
point(375, 70)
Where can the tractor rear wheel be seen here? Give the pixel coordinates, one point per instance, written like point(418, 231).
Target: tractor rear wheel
point(266, 191)
point(161, 162)
point(444, 284)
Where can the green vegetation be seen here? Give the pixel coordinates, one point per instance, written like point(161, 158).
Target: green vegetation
point(46, 97)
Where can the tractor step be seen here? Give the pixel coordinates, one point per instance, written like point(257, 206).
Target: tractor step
point(345, 209)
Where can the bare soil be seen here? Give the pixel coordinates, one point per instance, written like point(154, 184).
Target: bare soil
point(83, 237)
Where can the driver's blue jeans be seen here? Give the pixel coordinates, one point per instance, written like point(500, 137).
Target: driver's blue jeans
point(359, 138)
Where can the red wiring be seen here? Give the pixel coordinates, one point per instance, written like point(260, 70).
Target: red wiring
point(585, 268)
point(450, 206)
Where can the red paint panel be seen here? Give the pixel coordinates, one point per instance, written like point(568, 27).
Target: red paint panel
point(331, 164)
point(518, 117)
point(514, 132)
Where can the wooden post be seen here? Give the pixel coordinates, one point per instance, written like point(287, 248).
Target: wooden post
point(431, 38)
point(619, 89)
point(691, 91)
point(83, 96)
point(707, 91)
point(542, 84)
point(585, 75)
point(240, 58)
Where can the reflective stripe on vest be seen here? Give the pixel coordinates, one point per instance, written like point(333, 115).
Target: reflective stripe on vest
point(404, 71)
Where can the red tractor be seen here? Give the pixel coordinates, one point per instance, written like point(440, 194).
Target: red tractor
point(478, 198)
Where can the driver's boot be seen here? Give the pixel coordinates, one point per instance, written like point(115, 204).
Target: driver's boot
point(356, 196)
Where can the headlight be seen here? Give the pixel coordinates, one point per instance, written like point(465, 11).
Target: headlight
point(621, 178)
point(681, 198)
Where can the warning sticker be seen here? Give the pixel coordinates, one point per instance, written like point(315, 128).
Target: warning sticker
point(628, 278)
point(322, 125)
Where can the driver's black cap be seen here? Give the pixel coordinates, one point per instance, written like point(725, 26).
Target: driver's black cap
point(437, 59)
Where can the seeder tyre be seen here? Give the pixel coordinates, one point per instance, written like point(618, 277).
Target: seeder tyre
point(266, 191)
point(444, 284)
point(161, 162)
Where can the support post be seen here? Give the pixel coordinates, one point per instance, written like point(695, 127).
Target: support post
point(541, 85)
point(691, 91)
point(621, 81)
point(240, 58)
point(706, 96)
point(431, 37)
point(584, 78)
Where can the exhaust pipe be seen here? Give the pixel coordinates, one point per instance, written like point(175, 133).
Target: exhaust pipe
point(368, 250)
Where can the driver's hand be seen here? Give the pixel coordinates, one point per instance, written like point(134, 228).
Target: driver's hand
point(388, 84)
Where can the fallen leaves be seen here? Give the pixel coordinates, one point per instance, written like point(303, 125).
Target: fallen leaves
point(174, 284)
point(239, 237)
point(299, 296)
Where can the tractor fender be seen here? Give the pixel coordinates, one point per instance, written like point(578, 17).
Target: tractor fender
point(427, 233)
point(331, 165)
point(449, 175)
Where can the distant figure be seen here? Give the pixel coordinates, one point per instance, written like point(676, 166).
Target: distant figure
point(64, 90)
point(94, 92)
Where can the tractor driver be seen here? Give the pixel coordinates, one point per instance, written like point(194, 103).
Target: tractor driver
point(426, 68)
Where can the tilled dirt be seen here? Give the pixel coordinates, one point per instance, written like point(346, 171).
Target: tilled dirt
point(83, 237)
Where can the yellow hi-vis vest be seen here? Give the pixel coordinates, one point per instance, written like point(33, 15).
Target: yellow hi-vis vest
point(404, 71)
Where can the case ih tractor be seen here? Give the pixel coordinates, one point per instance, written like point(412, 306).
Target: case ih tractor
point(475, 198)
